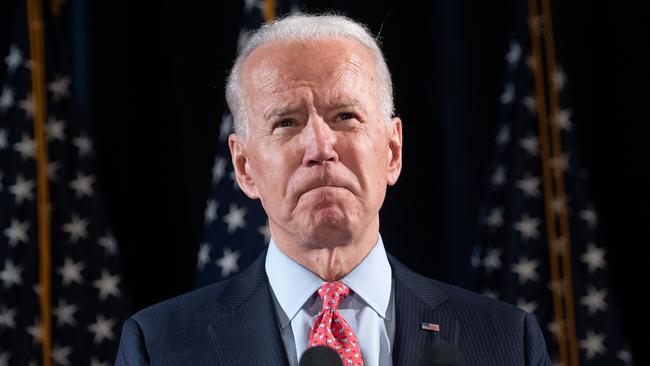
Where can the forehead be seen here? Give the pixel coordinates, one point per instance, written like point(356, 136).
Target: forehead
point(336, 65)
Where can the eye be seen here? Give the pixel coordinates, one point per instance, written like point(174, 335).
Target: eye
point(346, 115)
point(285, 123)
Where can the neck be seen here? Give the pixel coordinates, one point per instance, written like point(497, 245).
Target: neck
point(331, 261)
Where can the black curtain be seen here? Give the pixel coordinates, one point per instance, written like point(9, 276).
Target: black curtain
point(158, 83)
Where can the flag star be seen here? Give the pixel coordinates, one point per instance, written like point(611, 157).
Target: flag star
point(554, 328)
point(218, 170)
point(235, 218)
point(109, 244)
point(526, 270)
point(26, 147)
point(204, 256)
point(22, 189)
point(228, 262)
point(55, 129)
point(491, 294)
point(244, 35)
point(514, 54)
point(233, 176)
point(559, 164)
point(13, 59)
point(84, 145)
point(83, 185)
point(107, 285)
point(536, 24)
point(250, 4)
point(60, 355)
point(530, 186)
point(560, 245)
point(563, 119)
point(265, 231)
point(528, 227)
point(495, 219)
point(51, 170)
point(96, 362)
point(593, 344)
point(17, 232)
point(7, 318)
point(71, 272)
point(503, 137)
point(492, 260)
point(64, 314)
point(590, 216)
point(210, 213)
point(77, 228)
point(559, 79)
point(531, 63)
point(499, 176)
point(594, 300)
point(102, 329)
point(530, 144)
point(28, 106)
point(530, 103)
point(594, 257)
point(559, 205)
point(6, 99)
point(226, 127)
point(4, 358)
point(10, 275)
point(59, 88)
point(528, 307)
point(36, 331)
point(624, 355)
point(557, 286)
point(508, 94)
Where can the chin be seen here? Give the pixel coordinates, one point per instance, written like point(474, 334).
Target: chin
point(329, 230)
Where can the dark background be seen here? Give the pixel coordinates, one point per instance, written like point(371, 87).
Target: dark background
point(156, 82)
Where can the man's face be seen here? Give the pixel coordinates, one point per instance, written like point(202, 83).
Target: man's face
point(317, 154)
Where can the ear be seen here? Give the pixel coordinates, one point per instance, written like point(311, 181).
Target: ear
point(241, 163)
point(395, 151)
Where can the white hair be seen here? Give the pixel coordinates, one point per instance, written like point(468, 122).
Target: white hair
point(311, 28)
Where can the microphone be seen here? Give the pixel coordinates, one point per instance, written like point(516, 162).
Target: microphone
point(320, 356)
point(441, 353)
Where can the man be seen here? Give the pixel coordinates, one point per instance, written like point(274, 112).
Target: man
point(316, 141)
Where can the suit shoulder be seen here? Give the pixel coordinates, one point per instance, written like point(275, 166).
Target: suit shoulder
point(484, 305)
point(181, 307)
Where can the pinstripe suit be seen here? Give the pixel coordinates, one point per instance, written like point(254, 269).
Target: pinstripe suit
point(234, 323)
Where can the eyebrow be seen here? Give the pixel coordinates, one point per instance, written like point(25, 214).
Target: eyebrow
point(281, 111)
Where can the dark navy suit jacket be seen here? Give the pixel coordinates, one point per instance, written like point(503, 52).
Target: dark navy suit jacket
point(233, 322)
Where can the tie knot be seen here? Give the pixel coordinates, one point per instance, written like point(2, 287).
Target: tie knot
point(332, 293)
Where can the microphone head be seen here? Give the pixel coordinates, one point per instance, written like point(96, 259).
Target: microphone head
point(441, 353)
point(320, 356)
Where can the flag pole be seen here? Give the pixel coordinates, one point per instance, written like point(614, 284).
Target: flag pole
point(538, 69)
point(37, 57)
point(556, 144)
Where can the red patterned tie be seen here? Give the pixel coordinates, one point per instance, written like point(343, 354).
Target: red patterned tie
point(331, 330)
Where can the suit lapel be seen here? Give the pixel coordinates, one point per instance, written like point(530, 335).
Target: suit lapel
point(417, 300)
point(246, 331)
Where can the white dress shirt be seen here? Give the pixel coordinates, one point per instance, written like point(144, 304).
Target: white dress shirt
point(368, 309)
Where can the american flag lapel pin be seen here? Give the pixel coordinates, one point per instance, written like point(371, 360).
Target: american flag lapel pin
point(430, 327)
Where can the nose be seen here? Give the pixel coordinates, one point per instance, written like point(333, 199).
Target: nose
point(319, 143)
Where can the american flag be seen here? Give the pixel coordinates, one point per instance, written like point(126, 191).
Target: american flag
point(236, 228)
point(86, 304)
point(539, 246)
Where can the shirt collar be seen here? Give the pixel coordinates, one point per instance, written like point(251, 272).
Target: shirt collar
point(293, 284)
